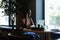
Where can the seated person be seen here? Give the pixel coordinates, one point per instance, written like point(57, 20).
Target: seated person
point(26, 20)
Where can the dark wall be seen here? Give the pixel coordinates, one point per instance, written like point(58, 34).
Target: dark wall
point(31, 4)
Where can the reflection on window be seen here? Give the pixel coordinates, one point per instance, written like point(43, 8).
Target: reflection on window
point(3, 19)
point(52, 14)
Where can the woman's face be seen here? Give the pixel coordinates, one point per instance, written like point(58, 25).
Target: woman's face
point(29, 12)
point(27, 16)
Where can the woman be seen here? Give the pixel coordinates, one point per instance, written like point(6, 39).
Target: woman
point(27, 21)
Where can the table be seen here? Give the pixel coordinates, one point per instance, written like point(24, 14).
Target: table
point(13, 35)
point(43, 34)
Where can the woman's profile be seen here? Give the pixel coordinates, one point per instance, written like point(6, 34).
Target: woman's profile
point(26, 19)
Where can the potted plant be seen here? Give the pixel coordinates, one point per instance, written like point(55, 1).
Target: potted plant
point(9, 10)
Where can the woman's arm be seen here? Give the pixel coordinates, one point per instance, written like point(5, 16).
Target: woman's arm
point(33, 25)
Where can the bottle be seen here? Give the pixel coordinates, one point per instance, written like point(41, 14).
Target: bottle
point(42, 28)
point(38, 25)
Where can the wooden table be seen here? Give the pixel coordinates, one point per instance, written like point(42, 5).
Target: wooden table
point(43, 35)
point(6, 34)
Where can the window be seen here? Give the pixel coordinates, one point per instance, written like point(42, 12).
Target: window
point(6, 7)
point(4, 20)
point(52, 14)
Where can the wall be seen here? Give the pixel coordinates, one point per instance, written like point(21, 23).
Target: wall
point(32, 6)
point(39, 10)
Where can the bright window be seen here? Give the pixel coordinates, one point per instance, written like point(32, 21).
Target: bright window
point(3, 19)
point(52, 14)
